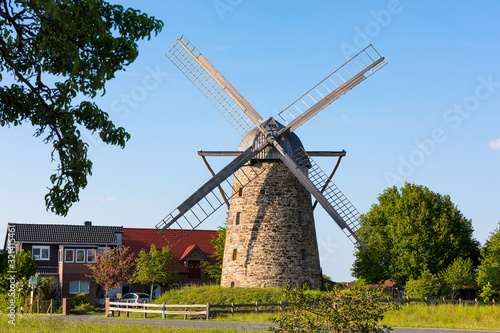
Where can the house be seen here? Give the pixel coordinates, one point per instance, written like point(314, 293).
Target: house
point(195, 248)
point(62, 252)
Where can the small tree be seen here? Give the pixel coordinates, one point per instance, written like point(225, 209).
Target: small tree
point(155, 267)
point(22, 263)
point(112, 266)
point(339, 310)
point(458, 275)
point(215, 270)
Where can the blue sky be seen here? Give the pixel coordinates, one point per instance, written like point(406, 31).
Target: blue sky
point(430, 117)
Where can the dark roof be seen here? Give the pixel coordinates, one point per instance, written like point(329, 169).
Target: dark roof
point(65, 234)
point(47, 270)
point(142, 238)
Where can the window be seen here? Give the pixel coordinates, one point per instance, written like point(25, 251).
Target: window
point(232, 284)
point(235, 254)
point(304, 254)
point(238, 215)
point(41, 252)
point(240, 192)
point(69, 255)
point(90, 255)
point(299, 217)
point(77, 287)
point(80, 255)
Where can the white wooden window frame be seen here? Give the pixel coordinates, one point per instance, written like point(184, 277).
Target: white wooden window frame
point(65, 255)
point(83, 256)
point(40, 248)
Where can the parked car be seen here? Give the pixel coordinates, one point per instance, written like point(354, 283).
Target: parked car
point(135, 298)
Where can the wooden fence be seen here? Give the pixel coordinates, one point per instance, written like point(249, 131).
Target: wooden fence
point(163, 309)
point(205, 311)
point(427, 301)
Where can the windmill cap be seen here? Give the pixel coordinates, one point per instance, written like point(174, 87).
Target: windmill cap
point(289, 141)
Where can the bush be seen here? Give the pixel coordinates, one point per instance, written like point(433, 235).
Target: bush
point(428, 285)
point(83, 308)
point(339, 310)
point(48, 289)
point(79, 299)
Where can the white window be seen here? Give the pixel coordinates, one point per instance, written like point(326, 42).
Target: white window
point(77, 287)
point(41, 252)
point(69, 255)
point(90, 255)
point(80, 255)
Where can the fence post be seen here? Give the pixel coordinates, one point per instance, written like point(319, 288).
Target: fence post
point(208, 311)
point(475, 301)
point(256, 306)
point(281, 306)
point(145, 313)
point(163, 309)
point(493, 302)
point(232, 309)
point(407, 301)
point(426, 301)
point(185, 315)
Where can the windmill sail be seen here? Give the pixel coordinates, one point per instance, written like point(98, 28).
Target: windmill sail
point(346, 77)
point(205, 201)
point(240, 114)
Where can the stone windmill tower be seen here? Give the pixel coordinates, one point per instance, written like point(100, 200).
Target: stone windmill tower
point(271, 237)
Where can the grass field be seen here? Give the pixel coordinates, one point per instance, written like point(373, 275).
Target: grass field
point(218, 295)
point(445, 316)
point(31, 324)
point(415, 315)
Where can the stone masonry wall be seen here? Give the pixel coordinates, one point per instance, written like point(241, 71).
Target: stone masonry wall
point(271, 237)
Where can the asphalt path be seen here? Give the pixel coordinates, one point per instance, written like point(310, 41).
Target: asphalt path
point(248, 327)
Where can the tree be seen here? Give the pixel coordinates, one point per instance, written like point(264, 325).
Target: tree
point(15, 267)
point(414, 229)
point(214, 270)
point(56, 51)
point(459, 274)
point(339, 310)
point(111, 267)
point(488, 275)
point(427, 285)
point(155, 267)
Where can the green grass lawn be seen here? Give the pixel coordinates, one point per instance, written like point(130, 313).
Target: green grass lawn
point(468, 317)
point(44, 324)
point(218, 295)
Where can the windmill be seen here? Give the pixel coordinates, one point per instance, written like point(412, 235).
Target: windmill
point(271, 238)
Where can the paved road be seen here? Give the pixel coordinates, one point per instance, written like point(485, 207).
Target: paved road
point(234, 325)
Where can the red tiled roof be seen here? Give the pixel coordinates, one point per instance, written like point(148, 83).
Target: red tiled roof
point(187, 251)
point(142, 238)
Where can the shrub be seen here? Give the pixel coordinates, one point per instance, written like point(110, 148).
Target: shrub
point(83, 308)
point(79, 299)
point(428, 285)
point(339, 310)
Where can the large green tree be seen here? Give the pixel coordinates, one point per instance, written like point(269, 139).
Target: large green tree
point(488, 276)
point(155, 267)
point(58, 50)
point(411, 230)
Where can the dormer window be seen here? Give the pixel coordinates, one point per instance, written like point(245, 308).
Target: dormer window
point(41, 252)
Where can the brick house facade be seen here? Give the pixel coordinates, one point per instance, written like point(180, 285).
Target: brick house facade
point(61, 252)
